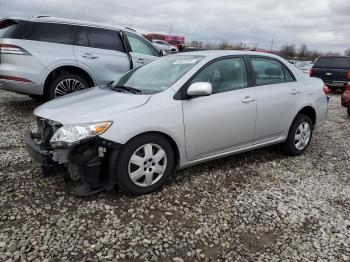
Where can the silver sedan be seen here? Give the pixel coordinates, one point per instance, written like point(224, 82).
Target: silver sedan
point(177, 111)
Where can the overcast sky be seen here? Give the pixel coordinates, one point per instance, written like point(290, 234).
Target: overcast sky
point(321, 24)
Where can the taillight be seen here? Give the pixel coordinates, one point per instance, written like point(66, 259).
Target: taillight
point(348, 87)
point(12, 49)
point(325, 89)
point(348, 75)
point(311, 73)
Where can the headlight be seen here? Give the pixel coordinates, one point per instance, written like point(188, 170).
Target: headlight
point(72, 134)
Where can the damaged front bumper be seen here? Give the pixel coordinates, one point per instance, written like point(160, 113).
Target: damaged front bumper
point(88, 160)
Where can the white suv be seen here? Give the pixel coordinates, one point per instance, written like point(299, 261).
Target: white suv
point(47, 57)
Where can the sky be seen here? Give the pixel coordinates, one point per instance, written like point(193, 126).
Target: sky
point(320, 24)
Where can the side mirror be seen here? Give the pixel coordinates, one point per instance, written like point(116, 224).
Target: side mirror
point(200, 89)
point(162, 53)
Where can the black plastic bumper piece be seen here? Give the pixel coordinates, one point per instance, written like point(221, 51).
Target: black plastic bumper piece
point(43, 156)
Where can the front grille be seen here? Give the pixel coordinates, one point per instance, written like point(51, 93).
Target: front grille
point(46, 130)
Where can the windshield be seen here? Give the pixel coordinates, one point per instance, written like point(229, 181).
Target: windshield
point(158, 75)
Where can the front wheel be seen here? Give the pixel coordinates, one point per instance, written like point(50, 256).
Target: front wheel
point(145, 164)
point(299, 136)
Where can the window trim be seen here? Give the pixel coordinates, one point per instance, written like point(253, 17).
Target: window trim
point(181, 94)
point(284, 67)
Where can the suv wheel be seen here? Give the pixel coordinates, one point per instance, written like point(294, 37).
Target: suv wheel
point(348, 111)
point(65, 84)
point(299, 136)
point(145, 164)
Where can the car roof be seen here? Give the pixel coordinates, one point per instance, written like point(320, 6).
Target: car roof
point(51, 19)
point(221, 53)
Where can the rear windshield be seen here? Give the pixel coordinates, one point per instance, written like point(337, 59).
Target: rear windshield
point(333, 62)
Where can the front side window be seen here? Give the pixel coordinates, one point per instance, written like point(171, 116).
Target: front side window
point(99, 38)
point(53, 33)
point(158, 75)
point(269, 71)
point(140, 46)
point(224, 75)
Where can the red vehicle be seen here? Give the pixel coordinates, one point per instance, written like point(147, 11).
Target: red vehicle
point(345, 98)
point(176, 41)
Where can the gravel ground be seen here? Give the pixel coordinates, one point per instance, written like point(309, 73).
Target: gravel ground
point(259, 205)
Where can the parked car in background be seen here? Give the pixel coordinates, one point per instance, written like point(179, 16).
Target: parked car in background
point(304, 66)
point(174, 112)
point(333, 70)
point(345, 98)
point(49, 57)
point(163, 45)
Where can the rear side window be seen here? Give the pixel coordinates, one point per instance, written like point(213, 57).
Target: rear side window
point(15, 29)
point(99, 38)
point(269, 71)
point(53, 33)
point(6, 25)
point(333, 62)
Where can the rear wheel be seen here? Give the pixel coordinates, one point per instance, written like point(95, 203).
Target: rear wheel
point(299, 136)
point(65, 84)
point(348, 111)
point(145, 164)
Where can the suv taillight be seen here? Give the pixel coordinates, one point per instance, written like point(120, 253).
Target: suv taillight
point(348, 75)
point(12, 49)
point(348, 87)
point(311, 72)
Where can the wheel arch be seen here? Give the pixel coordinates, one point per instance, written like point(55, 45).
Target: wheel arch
point(70, 69)
point(172, 141)
point(310, 112)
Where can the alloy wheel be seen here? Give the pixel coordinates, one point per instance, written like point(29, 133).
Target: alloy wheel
point(302, 136)
point(68, 86)
point(147, 165)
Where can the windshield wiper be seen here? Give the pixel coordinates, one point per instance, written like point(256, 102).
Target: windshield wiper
point(125, 88)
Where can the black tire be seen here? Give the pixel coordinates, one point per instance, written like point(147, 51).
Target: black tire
point(289, 146)
point(50, 93)
point(37, 98)
point(124, 181)
point(348, 111)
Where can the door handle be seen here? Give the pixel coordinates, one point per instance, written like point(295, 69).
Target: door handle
point(89, 56)
point(248, 100)
point(295, 92)
point(141, 60)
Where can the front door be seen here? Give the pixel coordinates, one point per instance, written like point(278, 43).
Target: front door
point(225, 120)
point(142, 52)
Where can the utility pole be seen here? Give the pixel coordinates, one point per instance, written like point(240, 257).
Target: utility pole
point(271, 45)
point(171, 29)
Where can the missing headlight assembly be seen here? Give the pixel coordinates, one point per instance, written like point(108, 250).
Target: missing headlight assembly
point(74, 151)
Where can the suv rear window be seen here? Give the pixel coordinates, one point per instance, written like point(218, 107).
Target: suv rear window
point(53, 33)
point(99, 38)
point(333, 62)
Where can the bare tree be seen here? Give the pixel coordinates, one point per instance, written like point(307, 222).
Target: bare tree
point(347, 52)
point(288, 51)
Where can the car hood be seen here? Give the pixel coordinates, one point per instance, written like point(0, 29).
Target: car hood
point(90, 105)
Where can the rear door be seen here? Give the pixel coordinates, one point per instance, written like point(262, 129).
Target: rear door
point(142, 51)
point(277, 94)
point(102, 52)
